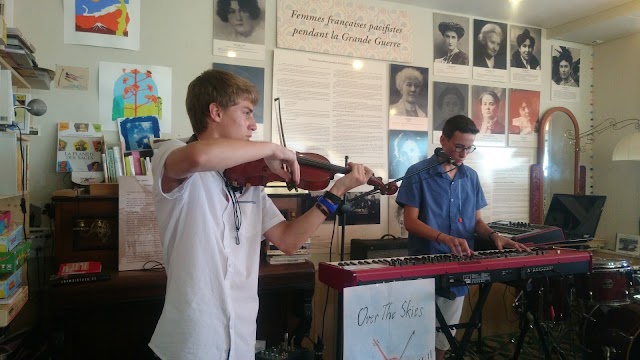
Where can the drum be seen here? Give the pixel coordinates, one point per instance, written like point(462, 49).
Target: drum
point(635, 284)
point(609, 282)
point(611, 332)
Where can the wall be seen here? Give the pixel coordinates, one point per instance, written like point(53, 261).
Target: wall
point(180, 36)
point(616, 90)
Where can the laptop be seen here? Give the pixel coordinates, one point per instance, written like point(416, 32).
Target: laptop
point(577, 215)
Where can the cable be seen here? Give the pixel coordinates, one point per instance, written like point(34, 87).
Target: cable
point(153, 265)
point(326, 299)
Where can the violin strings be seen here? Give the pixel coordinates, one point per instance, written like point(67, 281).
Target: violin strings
point(328, 166)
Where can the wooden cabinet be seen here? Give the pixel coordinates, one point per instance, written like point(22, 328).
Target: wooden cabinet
point(115, 319)
point(86, 230)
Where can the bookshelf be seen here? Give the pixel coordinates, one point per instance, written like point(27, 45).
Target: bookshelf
point(11, 199)
point(17, 80)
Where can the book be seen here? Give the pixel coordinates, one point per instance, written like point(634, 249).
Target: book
point(79, 151)
point(57, 280)
point(287, 259)
point(18, 57)
point(84, 267)
point(21, 114)
point(37, 78)
point(280, 252)
point(16, 37)
point(11, 306)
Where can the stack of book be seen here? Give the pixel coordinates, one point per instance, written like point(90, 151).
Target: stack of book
point(276, 256)
point(13, 254)
point(19, 54)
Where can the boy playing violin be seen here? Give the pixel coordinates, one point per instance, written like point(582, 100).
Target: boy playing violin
point(211, 234)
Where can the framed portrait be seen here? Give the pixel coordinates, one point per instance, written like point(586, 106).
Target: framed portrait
point(408, 91)
point(628, 244)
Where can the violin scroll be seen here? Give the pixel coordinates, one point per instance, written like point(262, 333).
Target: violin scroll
point(384, 189)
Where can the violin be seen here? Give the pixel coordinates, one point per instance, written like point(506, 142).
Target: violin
point(315, 174)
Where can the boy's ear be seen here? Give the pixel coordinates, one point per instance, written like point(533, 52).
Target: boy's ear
point(215, 112)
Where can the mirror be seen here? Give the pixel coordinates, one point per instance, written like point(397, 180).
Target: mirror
point(558, 169)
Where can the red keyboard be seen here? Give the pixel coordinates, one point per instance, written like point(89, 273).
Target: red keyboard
point(453, 270)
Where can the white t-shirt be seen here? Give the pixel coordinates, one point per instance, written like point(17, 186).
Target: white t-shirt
point(211, 301)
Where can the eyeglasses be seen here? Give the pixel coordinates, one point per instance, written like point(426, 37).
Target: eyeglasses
point(459, 148)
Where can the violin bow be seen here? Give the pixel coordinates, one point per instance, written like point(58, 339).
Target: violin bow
point(279, 120)
point(290, 184)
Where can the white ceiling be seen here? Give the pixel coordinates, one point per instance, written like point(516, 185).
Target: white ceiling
point(582, 21)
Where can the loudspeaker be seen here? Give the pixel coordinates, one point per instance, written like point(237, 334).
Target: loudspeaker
point(387, 246)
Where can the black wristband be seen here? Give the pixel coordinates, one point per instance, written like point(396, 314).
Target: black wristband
point(332, 197)
point(322, 209)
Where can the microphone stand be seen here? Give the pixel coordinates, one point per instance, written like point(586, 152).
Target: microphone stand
point(345, 206)
point(343, 230)
point(343, 209)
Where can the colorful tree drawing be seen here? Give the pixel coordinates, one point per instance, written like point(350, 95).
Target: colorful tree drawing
point(135, 94)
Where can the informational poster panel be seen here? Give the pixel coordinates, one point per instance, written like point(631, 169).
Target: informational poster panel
point(390, 321)
point(370, 29)
point(504, 176)
point(332, 106)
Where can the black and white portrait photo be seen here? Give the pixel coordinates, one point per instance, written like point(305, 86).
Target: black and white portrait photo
point(405, 149)
point(239, 21)
point(525, 46)
point(450, 39)
point(489, 50)
point(565, 64)
point(408, 91)
point(449, 99)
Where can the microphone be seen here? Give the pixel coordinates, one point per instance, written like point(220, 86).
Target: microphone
point(443, 155)
point(35, 107)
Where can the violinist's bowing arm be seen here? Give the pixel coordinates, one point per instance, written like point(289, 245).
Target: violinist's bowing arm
point(288, 236)
point(220, 154)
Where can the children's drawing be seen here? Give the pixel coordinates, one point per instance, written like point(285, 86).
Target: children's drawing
point(108, 23)
point(102, 16)
point(131, 91)
point(135, 94)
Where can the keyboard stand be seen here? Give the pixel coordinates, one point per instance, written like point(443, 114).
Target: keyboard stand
point(475, 322)
point(530, 320)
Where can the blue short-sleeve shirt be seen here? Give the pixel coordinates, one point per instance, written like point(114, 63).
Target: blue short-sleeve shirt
point(445, 204)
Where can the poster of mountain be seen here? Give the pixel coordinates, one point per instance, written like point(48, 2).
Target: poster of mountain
point(105, 23)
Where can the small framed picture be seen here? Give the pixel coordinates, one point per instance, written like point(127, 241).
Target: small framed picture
point(628, 244)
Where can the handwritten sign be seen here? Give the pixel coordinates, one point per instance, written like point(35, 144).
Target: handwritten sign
point(390, 321)
point(350, 28)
